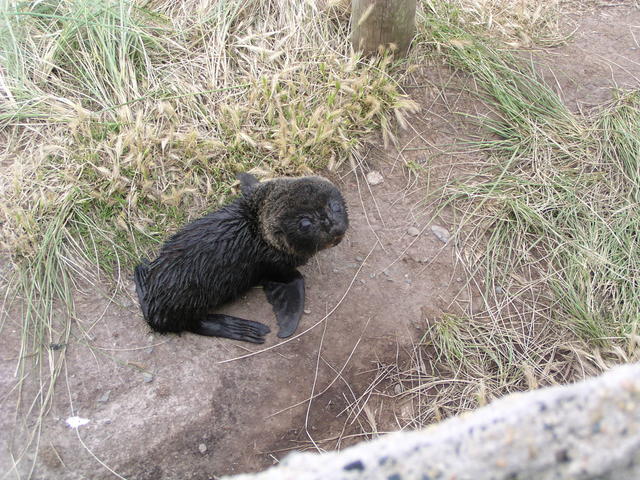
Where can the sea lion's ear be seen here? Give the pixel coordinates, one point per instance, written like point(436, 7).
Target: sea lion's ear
point(247, 183)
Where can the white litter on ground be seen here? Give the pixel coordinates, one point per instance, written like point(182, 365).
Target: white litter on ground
point(75, 422)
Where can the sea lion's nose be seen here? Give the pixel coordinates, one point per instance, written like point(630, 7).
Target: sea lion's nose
point(337, 240)
point(338, 230)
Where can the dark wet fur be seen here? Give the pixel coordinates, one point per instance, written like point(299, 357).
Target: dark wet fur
point(253, 240)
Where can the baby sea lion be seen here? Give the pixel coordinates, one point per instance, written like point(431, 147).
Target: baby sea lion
point(257, 239)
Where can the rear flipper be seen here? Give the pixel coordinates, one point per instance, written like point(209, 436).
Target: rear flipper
point(140, 277)
point(219, 325)
point(286, 295)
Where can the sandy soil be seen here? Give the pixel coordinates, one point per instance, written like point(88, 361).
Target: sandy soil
point(166, 407)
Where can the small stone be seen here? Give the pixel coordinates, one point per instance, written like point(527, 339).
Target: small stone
point(397, 389)
point(413, 231)
point(307, 311)
point(499, 290)
point(359, 259)
point(335, 270)
point(417, 256)
point(441, 233)
point(374, 178)
point(147, 377)
point(127, 303)
point(202, 447)
point(104, 397)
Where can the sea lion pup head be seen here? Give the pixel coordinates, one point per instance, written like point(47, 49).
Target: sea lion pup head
point(298, 215)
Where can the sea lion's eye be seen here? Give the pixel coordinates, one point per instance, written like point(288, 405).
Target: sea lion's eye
point(304, 224)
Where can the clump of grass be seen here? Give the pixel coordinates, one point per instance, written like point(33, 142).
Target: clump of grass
point(123, 120)
point(518, 23)
point(480, 350)
point(297, 133)
point(559, 199)
point(62, 56)
point(556, 191)
point(548, 235)
point(462, 363)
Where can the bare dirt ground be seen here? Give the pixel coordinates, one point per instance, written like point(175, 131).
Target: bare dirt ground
point(165, 407)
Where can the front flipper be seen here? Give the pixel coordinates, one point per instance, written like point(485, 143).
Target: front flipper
point(286, 295)
point(219, 325)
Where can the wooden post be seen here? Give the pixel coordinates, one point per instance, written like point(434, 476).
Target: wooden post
point(382, 23)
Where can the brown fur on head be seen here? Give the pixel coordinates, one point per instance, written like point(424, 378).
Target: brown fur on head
point(300, 215)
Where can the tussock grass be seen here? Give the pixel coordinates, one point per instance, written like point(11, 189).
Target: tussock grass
point(518, 23)
point(549, 236)
point(559, 201)
point(125, 119)
point(481, 359)
point(487, 361)
point(150, 112)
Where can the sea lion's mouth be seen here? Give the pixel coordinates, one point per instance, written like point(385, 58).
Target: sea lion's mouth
point(332, 243)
